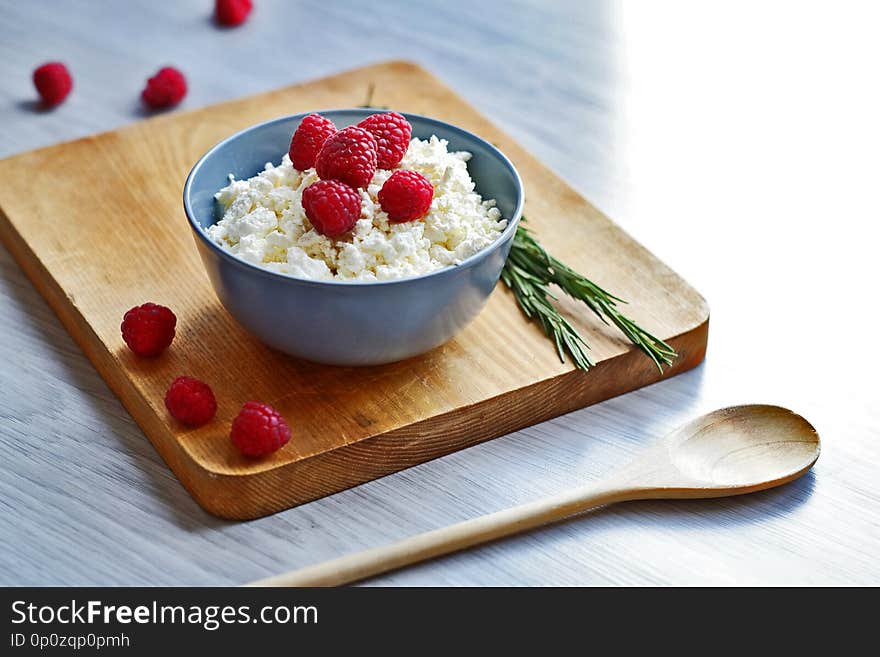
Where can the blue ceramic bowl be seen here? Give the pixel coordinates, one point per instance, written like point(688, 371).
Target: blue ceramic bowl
point(349, 323)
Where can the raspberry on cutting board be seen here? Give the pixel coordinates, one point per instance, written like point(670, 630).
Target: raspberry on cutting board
point(259, 430)
point(348, 156)
point(332, 207)
point(392, 132)
point(190, 401)
point(148, 329)
point(406, 196)
point(311, 134)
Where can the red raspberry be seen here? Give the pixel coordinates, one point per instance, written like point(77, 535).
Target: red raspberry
point(166, 88)
point(332, 207)
point(232, 12)
point(53, 83)
point(406, 196)
point(392, 132)
point(349, 156)
point(148, 329)
point(259, 429)
point(311, 134)
point(190, 401)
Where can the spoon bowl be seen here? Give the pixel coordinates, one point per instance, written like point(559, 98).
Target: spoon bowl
point(730, 451)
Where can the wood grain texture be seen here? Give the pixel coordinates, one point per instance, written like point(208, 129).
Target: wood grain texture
point(125, 242)
point(752, 171)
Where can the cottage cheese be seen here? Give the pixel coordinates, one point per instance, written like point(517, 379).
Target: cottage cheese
point(264, 222)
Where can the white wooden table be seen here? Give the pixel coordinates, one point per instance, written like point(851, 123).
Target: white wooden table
point(738, 141)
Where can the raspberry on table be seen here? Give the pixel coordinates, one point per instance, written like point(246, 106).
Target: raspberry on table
point(349, 156)
point(332, 207)
point(392, 132)
point(232, 12)
point(190, 401)
point(406, 196)
point(259, 430)
point(148, 329)
point(165, 89)
point(311, 134)
point(53, 83)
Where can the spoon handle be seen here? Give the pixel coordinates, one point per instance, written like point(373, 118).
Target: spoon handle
point(353, 567)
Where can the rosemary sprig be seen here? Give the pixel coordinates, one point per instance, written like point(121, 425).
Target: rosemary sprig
point(368, 103)
point(535, 301)
point(529, 272)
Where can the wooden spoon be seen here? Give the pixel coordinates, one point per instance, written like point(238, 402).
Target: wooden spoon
point(731, 451)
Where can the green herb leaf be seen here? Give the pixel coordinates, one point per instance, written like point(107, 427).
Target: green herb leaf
point(530, 271)
point(368, 103)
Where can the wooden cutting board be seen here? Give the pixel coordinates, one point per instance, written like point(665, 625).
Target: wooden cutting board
point(98, 226)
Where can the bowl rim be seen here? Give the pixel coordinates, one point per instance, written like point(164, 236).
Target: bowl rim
point(468, 262)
